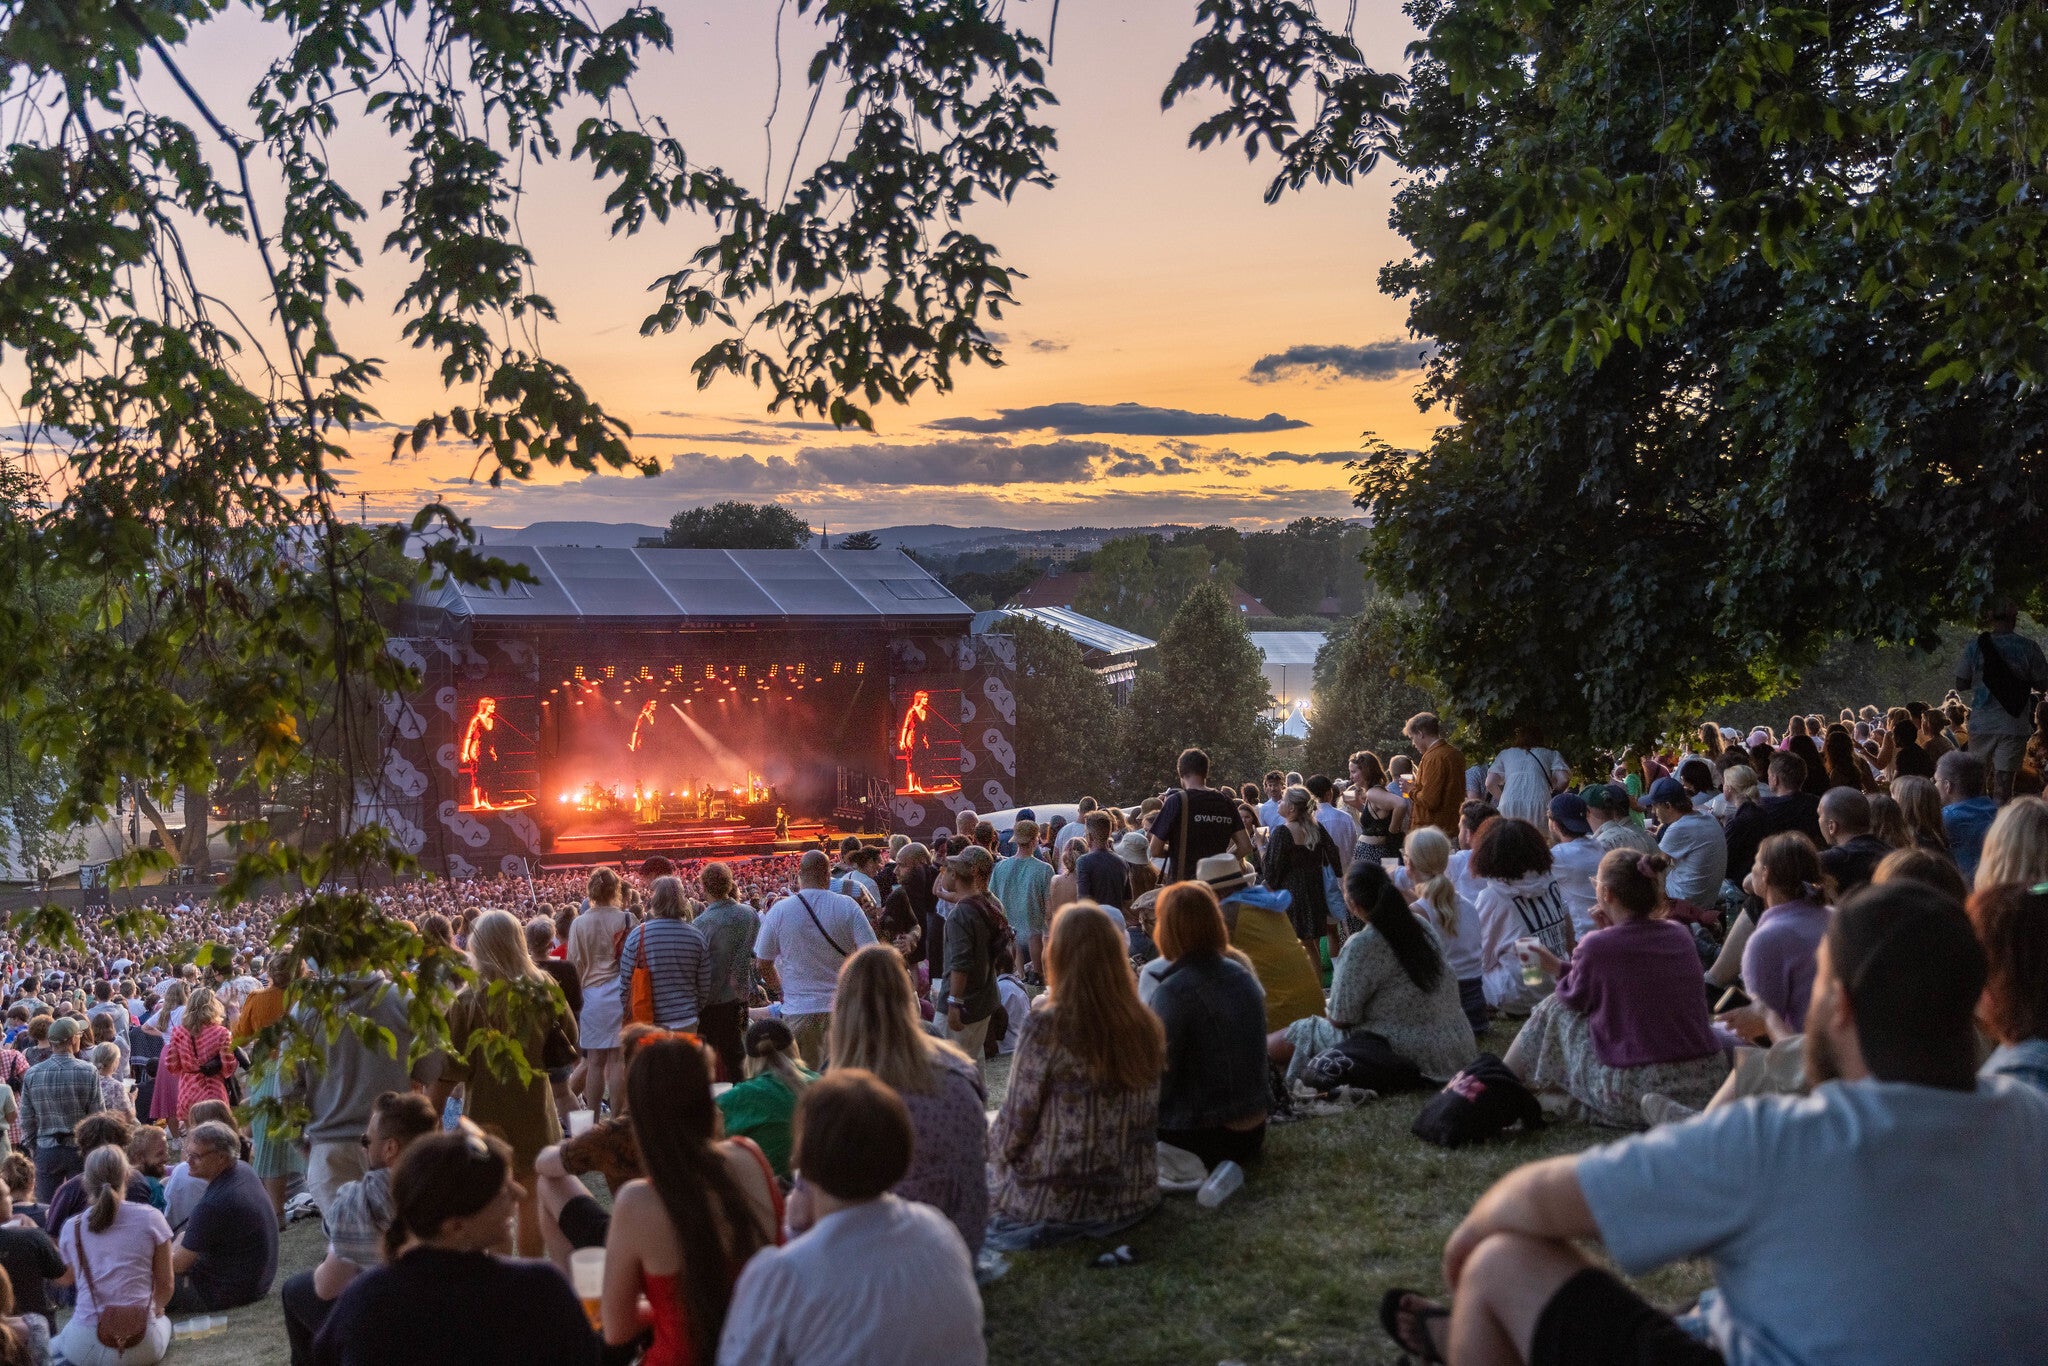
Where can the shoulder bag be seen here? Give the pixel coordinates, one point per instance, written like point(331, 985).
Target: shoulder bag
point(843, 953)
point(120, 1326)
point(640, 992)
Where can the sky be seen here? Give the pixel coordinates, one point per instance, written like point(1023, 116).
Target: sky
point(1182, 351)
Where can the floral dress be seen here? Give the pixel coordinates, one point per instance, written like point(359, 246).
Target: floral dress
point(184, 1056)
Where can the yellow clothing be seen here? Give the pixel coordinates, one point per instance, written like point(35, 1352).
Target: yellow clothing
point(1293, 990)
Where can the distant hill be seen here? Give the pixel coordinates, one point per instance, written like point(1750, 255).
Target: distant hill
point(930, 536)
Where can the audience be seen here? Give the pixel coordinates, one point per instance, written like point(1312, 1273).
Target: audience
point(1298, 854)
point(1627, 1017)
point(1392, 981)
point(1213, 1098)
point(1256, 920)
point(1966, 812)
point(30, 1261)
point(1798, 1204)
point(2012, 923)
point(117, 1256)
point(2016, 845)
point(875, 1027)
point(24, 1335)
point(869, 1278)
point(1574, 856)
point(1518, 899)
point(680, 1235)
point(1853, 851)
point(1073, 1152)
point(226, 1254)
point(1439, 900)
point(763, 1107)
point(674, 955)
point(453, 1201)
point(1692, 840)
point(1920, 806)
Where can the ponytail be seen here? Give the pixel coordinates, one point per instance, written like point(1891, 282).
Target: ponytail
point(104, 1207)
point(106, 1182)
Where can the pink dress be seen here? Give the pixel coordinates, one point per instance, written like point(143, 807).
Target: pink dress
point(182, 1058)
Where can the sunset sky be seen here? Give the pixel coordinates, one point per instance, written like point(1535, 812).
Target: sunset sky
point(1153, 368)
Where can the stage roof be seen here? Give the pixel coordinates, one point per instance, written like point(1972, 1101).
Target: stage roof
point(651, 586)
point(1087, 632)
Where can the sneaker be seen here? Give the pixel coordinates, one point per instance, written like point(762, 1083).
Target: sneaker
point(1662, 1109)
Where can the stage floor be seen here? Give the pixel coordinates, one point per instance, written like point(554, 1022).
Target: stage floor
point(697, 840)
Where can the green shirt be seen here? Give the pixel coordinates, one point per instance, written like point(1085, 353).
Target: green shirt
point(761, 1108)
point(1021, 885)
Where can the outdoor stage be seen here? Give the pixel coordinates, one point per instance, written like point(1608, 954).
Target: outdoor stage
point(691, 702)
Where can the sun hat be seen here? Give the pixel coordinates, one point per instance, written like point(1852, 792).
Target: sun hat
point(1133, 848)
point(1224, 873)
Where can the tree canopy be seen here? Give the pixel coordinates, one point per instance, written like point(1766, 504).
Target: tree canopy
point(1068, 724)
point(738, 526)
point(861, 540)
point(1361, 699)
point(1205, 685)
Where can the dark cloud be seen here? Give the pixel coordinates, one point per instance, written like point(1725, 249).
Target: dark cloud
point(1049, 344)
point(1376, 360)
point(1118, 419)
point(1319, 458)
point(985, 462)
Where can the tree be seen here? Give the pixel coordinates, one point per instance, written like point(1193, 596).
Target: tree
point(737, 526)
point(1361, 699)
point(1067, 720)
point(1206, 687)
point(861, 540)
point(1121, 584)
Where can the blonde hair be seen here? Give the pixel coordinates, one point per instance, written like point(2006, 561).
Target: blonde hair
point(1093, 999)
point(875, 1023)
point(2016, 849)
point(603, 887)
point(1428, 851)
point(497, 945)
point(202, 1008)
point(1742, 778)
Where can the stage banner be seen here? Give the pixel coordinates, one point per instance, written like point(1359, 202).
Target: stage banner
point(955, 747)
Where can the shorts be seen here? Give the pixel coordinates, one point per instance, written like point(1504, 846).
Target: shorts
point(2000, 753)
point(584, 1222)
point(1595, 1320)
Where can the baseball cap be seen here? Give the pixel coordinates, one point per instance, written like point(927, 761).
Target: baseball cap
point(63, 1030)
point(1667, 792)
point(1568, 809)
point(973, 861)
point(1027, 814)
point(1605, 797)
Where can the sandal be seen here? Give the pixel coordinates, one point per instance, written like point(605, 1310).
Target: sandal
point(1390, 1311)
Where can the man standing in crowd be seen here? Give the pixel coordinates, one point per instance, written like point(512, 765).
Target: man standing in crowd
point(803, 940)
point(355, 1225)
point(1798, 1202)
point(57, 1093)
point(351, 1075)
point(1335, 820)
point(1999, 672)
point(1195, 821)
point(1020, 884)
point(1853, 852)
point(729, 928)
point(973, 922)
point(1966, 812)
point(1099, 875)
point(1692, 840)
point(227, 1255)
point(1276, 788)
point(1439, 776)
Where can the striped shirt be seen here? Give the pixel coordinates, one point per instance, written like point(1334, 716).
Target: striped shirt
point(679, 960)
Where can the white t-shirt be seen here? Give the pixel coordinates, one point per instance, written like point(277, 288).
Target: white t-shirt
point(1017, 1004)
point(1341, 828)
point(1269, 814)
point(1532, 907)
point(1871, 1222)
point(886, 1283)
point(807, 963)
point(1575, 863)
point(1699, 858)
point(1461, 950)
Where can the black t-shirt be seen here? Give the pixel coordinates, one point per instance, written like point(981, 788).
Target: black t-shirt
point(30, 1258)
point(1212, 825)
point(436, 1308)
point(1103, 878)
point(1852, 862)
point(234, 1231)
point(564, 973)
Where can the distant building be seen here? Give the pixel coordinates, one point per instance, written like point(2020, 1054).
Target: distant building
point(1060, 590)
point(1110, 651)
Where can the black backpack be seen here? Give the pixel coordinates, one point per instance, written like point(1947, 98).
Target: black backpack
point(1483, 1100)
point(1367, 1061)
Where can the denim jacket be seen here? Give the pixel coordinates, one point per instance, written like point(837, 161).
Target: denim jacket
point(1215, 1018)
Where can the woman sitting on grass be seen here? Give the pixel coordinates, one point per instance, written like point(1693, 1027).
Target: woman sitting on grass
point(1391, 981)
point(1213, 1098)
point(763, 1106)
point(1519, 898)
point(1438, 900)
point(1628, 1017)
point(1074, 1153)
point(876, 1026)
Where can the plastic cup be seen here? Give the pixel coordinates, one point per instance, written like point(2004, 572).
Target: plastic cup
point(580, 1122)
point(1392, 865)
point(586, 1272)
point(1532, 970)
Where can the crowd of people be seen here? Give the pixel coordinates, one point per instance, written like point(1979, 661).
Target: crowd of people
point(1808, 968)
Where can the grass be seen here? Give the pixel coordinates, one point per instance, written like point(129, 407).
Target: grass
point(1289, 1270)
